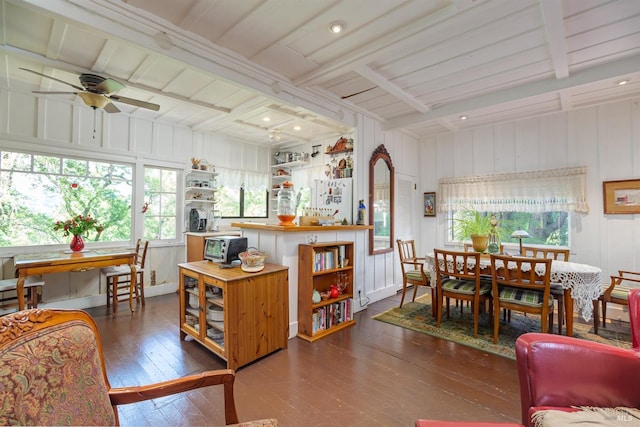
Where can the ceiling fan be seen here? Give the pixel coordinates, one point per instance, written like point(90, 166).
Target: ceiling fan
point(97, 92)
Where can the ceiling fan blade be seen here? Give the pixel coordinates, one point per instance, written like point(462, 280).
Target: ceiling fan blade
point(110, 108)
point(54, 93)
point(136, 102)
point(52, 78)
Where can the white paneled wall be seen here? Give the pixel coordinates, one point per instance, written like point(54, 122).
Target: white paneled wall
point(606, 139)
point(56, 125)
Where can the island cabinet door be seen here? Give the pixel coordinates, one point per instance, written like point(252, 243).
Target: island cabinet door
point(256, 316)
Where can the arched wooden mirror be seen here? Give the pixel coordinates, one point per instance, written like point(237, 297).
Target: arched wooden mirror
point(380, 201)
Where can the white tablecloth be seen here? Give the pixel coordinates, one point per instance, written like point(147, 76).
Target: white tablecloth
point(583, 280)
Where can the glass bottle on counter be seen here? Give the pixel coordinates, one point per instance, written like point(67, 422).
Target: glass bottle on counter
point(286, 204)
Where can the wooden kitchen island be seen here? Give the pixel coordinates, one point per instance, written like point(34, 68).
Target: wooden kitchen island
point(237, 315)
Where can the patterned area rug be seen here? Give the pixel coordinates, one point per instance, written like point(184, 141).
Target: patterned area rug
point(459, 327)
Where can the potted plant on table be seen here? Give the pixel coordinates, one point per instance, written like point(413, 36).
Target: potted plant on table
point(471, 224)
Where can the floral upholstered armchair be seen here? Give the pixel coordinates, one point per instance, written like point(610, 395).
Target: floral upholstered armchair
point(52, 372)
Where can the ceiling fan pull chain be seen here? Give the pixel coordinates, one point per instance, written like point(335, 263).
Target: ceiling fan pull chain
point(94, 122)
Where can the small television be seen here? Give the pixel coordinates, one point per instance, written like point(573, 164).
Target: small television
point(224, 249)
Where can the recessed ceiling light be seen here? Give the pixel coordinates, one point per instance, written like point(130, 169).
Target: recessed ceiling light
point(463, 117)
point(266, 119)
point(297, 128)
point(622, 82)
point(336, 27)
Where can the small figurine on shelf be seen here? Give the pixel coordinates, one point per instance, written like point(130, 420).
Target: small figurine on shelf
point(195, 163)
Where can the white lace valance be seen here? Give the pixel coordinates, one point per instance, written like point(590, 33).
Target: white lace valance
point(536, 191)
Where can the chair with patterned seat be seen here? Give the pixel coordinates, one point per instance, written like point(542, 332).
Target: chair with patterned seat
point(413, 272)
point(522, 284)
point(560, 254)
point(616, 292)
point(53, 373)
point(458, 276)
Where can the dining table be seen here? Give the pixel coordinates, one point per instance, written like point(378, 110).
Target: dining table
point(64, 261)
point(581, 283)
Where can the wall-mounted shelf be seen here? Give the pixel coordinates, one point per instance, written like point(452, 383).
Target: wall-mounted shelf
point(297, 163)
point(345, 151)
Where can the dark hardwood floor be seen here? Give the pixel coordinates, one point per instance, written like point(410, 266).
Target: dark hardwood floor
point(372, 374)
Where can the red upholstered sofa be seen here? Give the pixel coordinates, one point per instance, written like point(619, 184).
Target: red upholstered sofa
point(558, 372)
point(634, 317)
point(435, 423)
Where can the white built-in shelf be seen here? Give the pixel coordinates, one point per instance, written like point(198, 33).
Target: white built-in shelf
point(290, 164)
point(200, 201)
point(199, 171)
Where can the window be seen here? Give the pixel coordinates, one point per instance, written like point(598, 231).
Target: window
point(38, 190)
point(545, 228)
point(160, 206)
point(242, 194)
point(538, 202)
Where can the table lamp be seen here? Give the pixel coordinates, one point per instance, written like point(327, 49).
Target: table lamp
point(520, 234)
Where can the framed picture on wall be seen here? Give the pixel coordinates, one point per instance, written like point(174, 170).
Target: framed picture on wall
point(621, 197)
point(430, 204)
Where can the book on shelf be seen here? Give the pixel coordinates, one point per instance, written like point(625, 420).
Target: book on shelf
point(332, 315)
point(328, 258)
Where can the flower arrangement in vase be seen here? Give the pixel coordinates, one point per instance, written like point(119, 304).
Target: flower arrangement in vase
point(78, 226)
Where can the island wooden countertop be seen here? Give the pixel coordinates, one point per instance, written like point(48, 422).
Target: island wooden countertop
point(296, 228)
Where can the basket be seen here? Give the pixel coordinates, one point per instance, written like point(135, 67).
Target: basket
point(252, 260)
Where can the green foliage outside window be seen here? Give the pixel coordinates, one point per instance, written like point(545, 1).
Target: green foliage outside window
point(545, 228)
point(36, 191)
point(160, 206)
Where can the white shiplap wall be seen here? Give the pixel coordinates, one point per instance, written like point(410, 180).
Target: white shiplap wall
point(606, 139)
point(58, 126)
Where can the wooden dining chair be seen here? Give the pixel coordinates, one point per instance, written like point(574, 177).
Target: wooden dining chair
point(458, 276)
point(126, 289)
point(557, 290)
point(521, 284)
point(413, 273)
point(616, 292)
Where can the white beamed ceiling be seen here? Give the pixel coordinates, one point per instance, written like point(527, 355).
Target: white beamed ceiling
point(220, 66)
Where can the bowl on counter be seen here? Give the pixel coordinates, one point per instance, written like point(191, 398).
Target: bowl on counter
point(252, 260)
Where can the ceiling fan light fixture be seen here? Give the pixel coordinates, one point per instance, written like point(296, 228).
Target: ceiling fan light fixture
point(94, 100)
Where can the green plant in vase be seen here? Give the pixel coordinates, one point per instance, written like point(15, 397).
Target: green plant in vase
point(473, 225)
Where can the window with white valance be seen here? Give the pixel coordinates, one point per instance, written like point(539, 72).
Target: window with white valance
point(535, 191)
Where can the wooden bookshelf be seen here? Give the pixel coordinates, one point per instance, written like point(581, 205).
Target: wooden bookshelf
point(322, 265)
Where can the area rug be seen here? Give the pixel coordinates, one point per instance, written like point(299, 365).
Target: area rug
point(459, 327)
